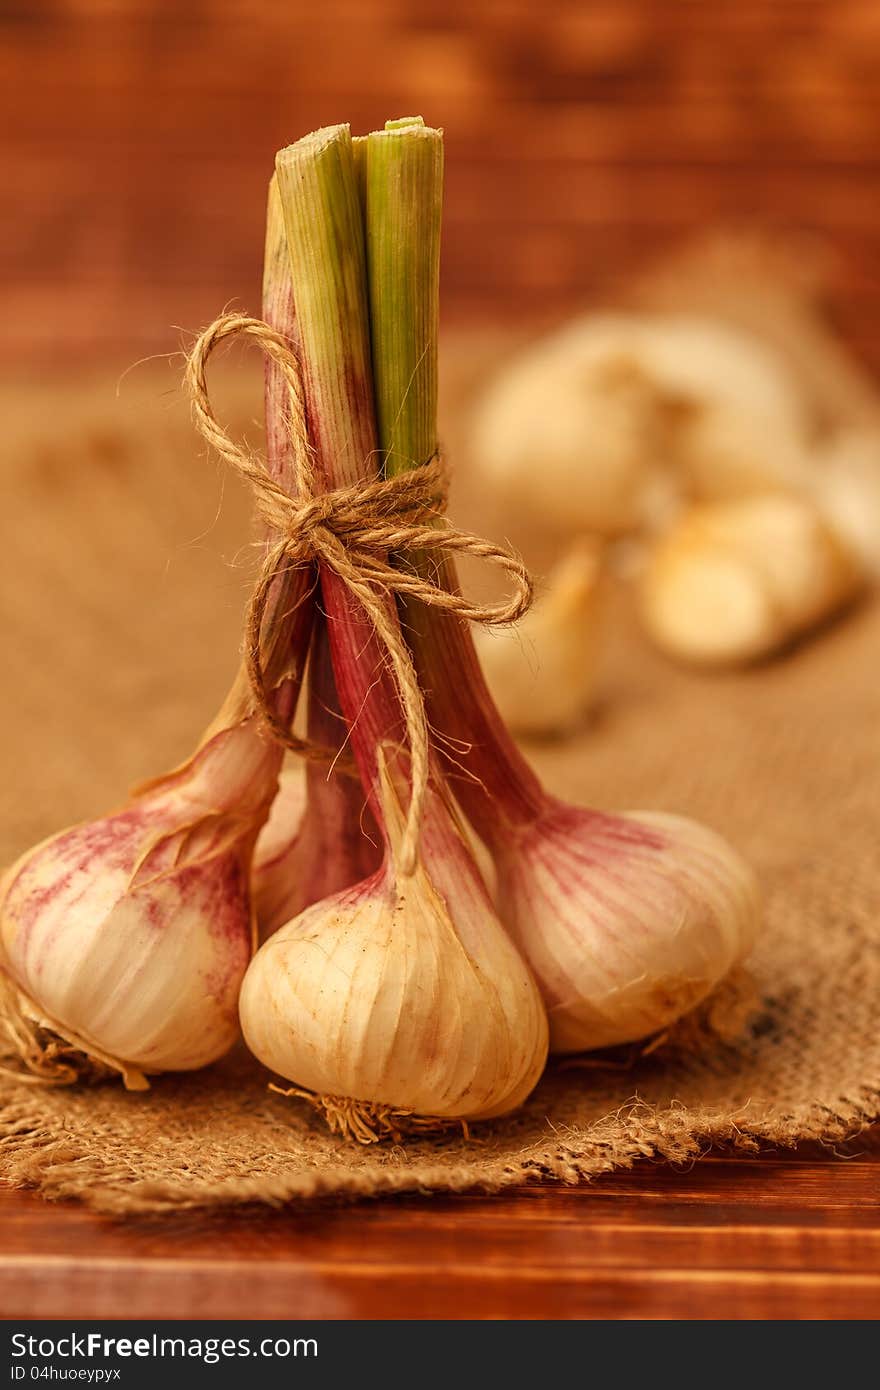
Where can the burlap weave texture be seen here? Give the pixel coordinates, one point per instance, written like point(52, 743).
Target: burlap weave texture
point(120, 623)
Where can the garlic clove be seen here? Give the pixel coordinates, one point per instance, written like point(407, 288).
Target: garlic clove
point(134, 932)
point(542, 673)
point(280, 831)
point(627, 922)
point(401, 992)
point(846, 487)
point(737, 580)
point(335, 843)
point(602, 425)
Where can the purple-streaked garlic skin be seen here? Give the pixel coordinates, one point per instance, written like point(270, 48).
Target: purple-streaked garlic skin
point(134, 931)
point(626, 921)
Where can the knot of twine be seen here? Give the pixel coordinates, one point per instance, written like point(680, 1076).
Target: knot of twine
point(351, 531)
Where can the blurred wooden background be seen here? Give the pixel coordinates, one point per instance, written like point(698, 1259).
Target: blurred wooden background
point(583, 137)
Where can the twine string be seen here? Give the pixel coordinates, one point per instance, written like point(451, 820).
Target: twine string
point(355, 532)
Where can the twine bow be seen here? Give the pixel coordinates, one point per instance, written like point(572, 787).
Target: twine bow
point(353, 531)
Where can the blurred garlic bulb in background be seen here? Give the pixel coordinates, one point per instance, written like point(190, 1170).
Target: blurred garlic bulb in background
point(566, 436)
point(732, 581)
point(846, 487)
point(581, 432)
point(285, 817)
point(542, 673)
point(742, 423)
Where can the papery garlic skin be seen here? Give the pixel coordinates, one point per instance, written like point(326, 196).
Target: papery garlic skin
point(542, 673)
point(627, 922)
point(735, 581)
point(284, 821)
point(273, 879)
point(133, 932)
point(311, 845)
point(403, 992)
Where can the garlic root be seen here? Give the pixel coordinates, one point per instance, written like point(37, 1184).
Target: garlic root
point(367, 1122)
point(46, 1054)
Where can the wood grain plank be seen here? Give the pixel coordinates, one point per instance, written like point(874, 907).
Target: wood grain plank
point(136, 140)
point(782, 1235)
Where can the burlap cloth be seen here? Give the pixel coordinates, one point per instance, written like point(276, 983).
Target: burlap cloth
point(120, 616)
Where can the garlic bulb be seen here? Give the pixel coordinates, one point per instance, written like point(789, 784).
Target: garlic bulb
point(401, 992)
point(627, 921)
point(589, 428)
point(131, 935)
point(846, 488)
point(741, 422)
point(736, 580)
point(568, 440)
point(542, 673)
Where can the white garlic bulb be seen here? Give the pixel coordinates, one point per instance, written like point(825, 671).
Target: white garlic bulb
point(736, 580)
point(627, 921)
point(401, 991)
point(542, 673)
point(130, 935)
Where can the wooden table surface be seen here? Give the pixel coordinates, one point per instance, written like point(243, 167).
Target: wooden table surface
point(780, 1236)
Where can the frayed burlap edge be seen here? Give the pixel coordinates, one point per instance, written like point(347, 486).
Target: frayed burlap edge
point(61, 1169)
point(782, 760)
point(50, 1147)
